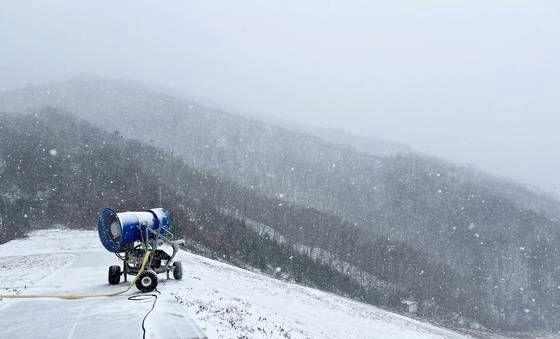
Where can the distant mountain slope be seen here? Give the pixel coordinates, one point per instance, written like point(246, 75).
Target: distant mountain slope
point(369, 145)
point(489, 230)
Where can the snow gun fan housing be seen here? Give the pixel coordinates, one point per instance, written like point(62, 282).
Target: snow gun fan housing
point(119, 231)
point(133, 236)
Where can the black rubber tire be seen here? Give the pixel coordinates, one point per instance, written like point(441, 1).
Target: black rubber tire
point(177, 270)
point(147, 281)
point(114, 275)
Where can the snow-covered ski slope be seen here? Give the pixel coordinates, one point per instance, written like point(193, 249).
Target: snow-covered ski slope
point(55, 263)
point(223, 300)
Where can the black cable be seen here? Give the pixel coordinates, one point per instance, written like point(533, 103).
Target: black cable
point(142, 297)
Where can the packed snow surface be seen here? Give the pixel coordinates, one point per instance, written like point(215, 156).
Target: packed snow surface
point(223, 300)
point(53, 263)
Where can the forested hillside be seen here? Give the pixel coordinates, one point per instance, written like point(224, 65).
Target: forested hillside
point(57, 170)
point(495, 242)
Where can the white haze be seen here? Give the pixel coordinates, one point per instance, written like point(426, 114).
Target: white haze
point(476, 82)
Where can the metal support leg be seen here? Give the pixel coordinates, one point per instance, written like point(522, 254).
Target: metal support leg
point(125, 269)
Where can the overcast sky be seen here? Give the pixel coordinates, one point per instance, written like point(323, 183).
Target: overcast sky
point(476, 82)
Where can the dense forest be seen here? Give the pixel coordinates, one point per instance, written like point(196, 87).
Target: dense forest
point(377, 228)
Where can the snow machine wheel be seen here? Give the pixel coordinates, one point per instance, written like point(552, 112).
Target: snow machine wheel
point(147, 281)
point(177, 270)
point(114, 274)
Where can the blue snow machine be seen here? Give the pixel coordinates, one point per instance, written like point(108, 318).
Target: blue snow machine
point(130, 235)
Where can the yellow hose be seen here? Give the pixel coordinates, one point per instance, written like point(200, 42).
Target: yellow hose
point(71, 297)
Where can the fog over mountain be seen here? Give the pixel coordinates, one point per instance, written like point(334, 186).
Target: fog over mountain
point(473, 82)
point(395, 153)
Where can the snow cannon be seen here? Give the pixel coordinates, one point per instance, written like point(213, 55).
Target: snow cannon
point(118, 231)
point(131, 235)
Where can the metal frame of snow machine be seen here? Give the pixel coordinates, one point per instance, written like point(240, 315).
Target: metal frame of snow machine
point(159, 261)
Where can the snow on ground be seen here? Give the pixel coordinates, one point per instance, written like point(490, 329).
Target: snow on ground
point(69, 263)
point(20, 272)
point(229, 302)
point(226, 301)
